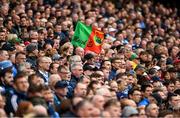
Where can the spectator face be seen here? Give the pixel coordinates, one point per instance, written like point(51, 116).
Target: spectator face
point(37, 81)
point(170, 87)
point(86, 80)
point(130, 80)
point(28, 70)
point(56, 44)
point(4, 55)
point(167, 76)
point(34, 36)
point(107, 65)
point(144, 57)
point(136, 96)
point(98, 101)
point(64, 26)
point(153, 111)
point(77, 71)
point(61, 91)
point(80, 52)
point(45, 63)
point(116, 64)
point(115, 110)
point(175, 51)
point(20, 47)
point(148, 91)
point(70, 50)
point(16, 19)
point(30, 13)
point(20, 58)
point(96, 112)
point(54, 69)
point(58, 28)
point(8, 78)
point(22, 84)
point(4, 10)
point(122, 85)
point(65, 74)
point(106, 73)
point(23, 22)
point(80, 90)
point(114, 85)
point(170, 42)
point(48, 95)
point(174, 101)
point(2, 36)
point(9, 24)
point(177, 66)
point(86, 110)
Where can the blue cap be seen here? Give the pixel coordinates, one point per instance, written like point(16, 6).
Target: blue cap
point(60, 84)
point(5, 64)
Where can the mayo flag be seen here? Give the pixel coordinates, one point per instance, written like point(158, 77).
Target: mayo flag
point(87, 37)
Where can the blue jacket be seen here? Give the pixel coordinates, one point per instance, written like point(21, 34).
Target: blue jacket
point(52, 112)
point(112, 74)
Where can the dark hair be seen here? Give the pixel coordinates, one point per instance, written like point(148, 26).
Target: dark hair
point(131, 91)
point(168, 82)
point(45, 88)
point(95, 75)
point(18, 53)
point(119, 75)
point(144, 87)
point(19, 76)
point(110, 103)
point(35, 88)
point(80, 105)
point(114, 59)
point(31, 77)
point(7, 70)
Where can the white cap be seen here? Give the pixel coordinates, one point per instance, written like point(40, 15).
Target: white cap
point(111, 29)
point(157, 67)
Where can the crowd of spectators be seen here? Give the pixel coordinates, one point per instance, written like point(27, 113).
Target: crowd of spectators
point(137, 73)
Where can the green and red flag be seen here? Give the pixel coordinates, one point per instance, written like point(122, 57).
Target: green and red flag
point(87, 37)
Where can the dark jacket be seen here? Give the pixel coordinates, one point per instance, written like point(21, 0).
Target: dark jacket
point(44, 76)
point(74, 80)
point(32, 60)
point(12, 101)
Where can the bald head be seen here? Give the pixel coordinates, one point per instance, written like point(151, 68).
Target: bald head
point(40, 110)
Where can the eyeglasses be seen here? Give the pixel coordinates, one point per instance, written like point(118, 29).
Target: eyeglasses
point(137, 94)
point(117, 62)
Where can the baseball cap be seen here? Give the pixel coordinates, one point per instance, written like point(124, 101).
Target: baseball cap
point(56, 57)
point(88, 67)
point(157, 68)
point(88, 56)
point(60, 84)
point(111, 29)
point(5, 64)
point(8, 47)
point(129, 111)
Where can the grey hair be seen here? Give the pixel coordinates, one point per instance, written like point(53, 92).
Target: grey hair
point(22, 66)
point(73, 66)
